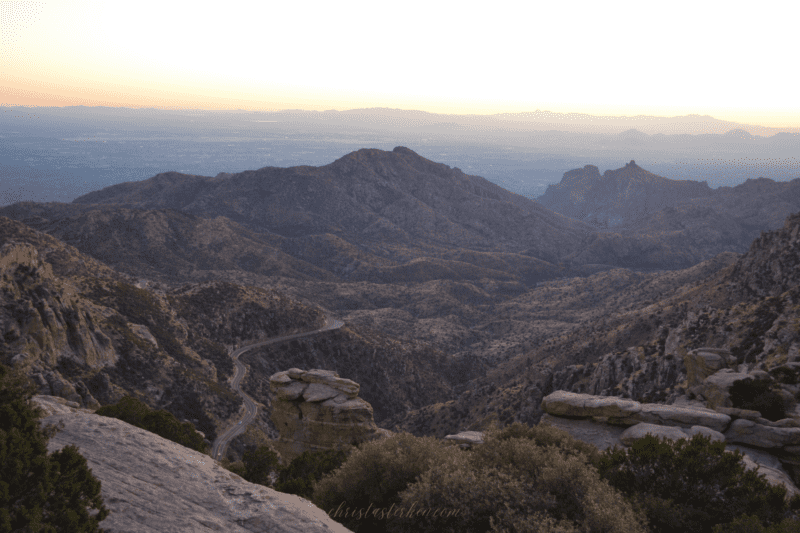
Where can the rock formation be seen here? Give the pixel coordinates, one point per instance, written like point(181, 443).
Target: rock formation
point(606, 421)
point(317, 410)
point(152, 484)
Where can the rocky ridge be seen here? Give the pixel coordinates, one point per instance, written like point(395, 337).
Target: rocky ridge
point(151, 484)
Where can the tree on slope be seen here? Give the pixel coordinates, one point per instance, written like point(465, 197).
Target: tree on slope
point(39, 492)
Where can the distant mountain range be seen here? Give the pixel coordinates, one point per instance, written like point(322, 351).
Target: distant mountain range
point(686, 215)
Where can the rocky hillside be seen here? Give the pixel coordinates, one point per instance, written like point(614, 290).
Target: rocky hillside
point(368, 215)
point(664, 221)
point(165, 245)
point(647, 348)
point(91, 335)
point(625, 196)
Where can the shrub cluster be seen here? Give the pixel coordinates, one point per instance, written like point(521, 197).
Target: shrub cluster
point(304, 471)
point(520, 479)
point(40, 492)
point(161, 422)
point(759, 395)
point(694, 486)
point(298, 477)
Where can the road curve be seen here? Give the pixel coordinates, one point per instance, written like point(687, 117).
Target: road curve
point(250, 407)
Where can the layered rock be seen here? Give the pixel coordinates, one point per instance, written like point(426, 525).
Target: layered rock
point(599, 420)
point(152, 484)
point(317, 410)
point(621, 411)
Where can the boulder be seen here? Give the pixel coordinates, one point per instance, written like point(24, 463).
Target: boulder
point(708, 432)
point(716, 387)
point(748, 432)
point(152, 484)
point(466, 438)
point(317, 410)
point(671, 415)
point(607, 408)
point(642, 429)
point(622, 411)
point(735, 413)
point(603, 436)
point(703, 362)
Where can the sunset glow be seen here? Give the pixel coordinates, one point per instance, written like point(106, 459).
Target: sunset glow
point(599, 58)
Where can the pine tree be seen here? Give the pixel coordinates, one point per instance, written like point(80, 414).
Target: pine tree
point(40, 492)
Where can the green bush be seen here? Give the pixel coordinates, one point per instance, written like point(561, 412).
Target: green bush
point(759, 395)
point(513, 483)
point(751, 524)
point(305, 470)
point(260, 464)
point(374, 475)
point(691, 485)
point(510, 483)
point(40, 492)
point(161, 422)
point(546, 435)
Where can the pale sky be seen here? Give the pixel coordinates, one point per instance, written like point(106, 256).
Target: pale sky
point(732, 60)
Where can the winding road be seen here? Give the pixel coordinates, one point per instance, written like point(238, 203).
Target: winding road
point(250, 407)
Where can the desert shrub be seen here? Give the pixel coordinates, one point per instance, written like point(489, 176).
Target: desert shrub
point(691, 485)
point(40, 492)
point(751, 524)
point(161, 422)
point(758, 395)
point(305, 470)
point(259, 464)
point(237, 467)
point(546, 435)
point(516, 484)
point(509, 483)
point(374, 475)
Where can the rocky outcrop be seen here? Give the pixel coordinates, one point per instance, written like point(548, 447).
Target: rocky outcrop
point(466, 439)
point(599, 420)
point(625, 412)
point(152, 484)
point(317, 410)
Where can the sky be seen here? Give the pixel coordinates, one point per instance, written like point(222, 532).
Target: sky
point(611, 58)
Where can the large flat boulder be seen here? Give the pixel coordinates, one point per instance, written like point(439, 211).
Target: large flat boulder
point(672, 415)
point(571, 404)
point(601, 435)
point(643, 429)
point(744, 431)
point(623, 411)
point(151, 484)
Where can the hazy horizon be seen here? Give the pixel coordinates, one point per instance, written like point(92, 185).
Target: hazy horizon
point(611, 59)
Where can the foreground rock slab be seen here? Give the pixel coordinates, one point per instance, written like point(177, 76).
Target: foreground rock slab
point(152, 485)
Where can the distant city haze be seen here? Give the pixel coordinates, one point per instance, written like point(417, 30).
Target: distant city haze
point(60, 153)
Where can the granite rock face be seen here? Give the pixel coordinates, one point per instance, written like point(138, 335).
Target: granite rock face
point(317, 410)
point(151, 484)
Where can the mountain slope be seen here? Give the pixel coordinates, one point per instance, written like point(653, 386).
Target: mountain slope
point(746, 306)
point(371, 196)
point(619, 197)
point(91, 335)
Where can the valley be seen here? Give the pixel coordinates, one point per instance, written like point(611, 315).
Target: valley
point(462, 303)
